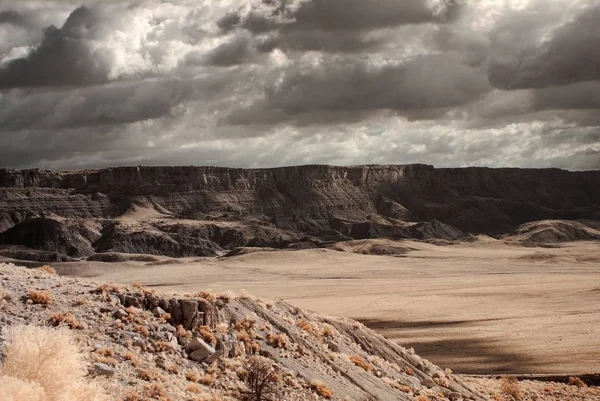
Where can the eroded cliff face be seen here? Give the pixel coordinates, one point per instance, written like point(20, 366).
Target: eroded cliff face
point(336, 202)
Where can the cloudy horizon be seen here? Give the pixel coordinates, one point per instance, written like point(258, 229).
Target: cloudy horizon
point(267, 83)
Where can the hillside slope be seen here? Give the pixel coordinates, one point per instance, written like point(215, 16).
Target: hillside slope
point(144, 345)
point(137, 337)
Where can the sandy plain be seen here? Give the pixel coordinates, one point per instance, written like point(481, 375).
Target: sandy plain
point(483, 308)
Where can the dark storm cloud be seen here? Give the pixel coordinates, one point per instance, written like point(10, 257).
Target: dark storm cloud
point(249, 83)
point(340, 85)
point(234, 52)
point(342, 15)
point(63, 58)
point(333, 15)
point(102, 105)
point(571, 55)
point(14, 18)
point(336, 25)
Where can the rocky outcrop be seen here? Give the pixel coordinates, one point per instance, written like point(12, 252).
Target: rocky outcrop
point(295, 207)
point(552, 231)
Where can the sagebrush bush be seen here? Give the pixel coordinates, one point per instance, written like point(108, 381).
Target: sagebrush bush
point(360, 362)
point(510, 386)
point(321, 389)
point(46, 359)
point(40, 297)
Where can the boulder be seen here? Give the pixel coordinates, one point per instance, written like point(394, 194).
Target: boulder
point(212, 358)
point(101, 369)
point(189, 312)
point(158, 311)
point(199, 350)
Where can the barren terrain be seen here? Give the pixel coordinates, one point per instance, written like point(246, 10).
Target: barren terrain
point(481, 307)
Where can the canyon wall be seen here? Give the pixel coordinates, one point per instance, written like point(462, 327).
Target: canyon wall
point(307, 198)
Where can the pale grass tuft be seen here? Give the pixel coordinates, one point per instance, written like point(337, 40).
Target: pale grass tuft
point(223, 328)
point(48, 359)
point(46, 269)
point(5, 295)
point(328, 331)
point(13, 389)
point(226, 296)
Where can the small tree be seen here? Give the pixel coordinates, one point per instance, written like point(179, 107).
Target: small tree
point(261, 379)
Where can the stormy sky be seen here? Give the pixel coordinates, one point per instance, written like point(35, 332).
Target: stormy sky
point(264, 83)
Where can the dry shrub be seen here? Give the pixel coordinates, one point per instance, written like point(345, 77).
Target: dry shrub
point(155, 390)
point(207, 334)
point(576, 381)
point(171, 367)
point(47, 359)
point(165, 317)
point(307, 326)
point(132, 358)
point(149, 375)
point(181, 332)
point(143, 330)
point(162, 346)
point(105, 352)
point(209, 296)
point(192, 376)
point(134, 395)
point(207, 380)
point(277, 340)
point(104, 359)
point(358, 361)
point(80, 302)
point(108, 287)
point(510, 386)
point(321, 389)
point(244, 336)
point(40, 297)
point(194, 388)
point(261, 379)
point(247, 324)
point(66, 318)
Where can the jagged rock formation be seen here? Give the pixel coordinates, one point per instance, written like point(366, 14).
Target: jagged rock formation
point(203, 211)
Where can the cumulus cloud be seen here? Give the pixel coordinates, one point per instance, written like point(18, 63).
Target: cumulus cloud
point(274, 82)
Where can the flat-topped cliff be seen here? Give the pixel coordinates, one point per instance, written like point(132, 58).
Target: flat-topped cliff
point(282, 206)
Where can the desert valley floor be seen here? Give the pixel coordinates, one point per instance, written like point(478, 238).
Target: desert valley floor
point(480, 307)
